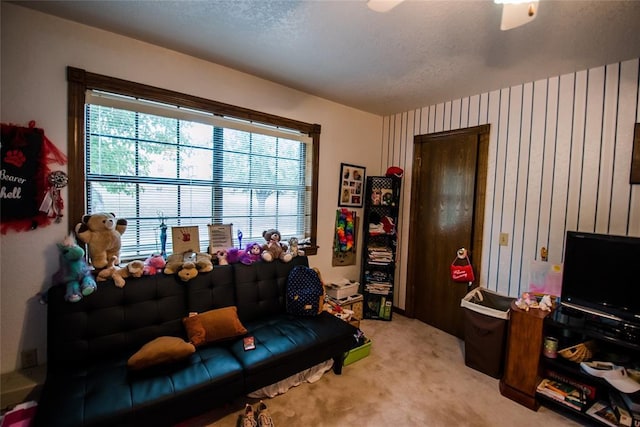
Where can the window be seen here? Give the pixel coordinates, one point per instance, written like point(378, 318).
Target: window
point(157, 157)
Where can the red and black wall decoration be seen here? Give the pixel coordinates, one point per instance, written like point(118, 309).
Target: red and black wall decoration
point(29, 190)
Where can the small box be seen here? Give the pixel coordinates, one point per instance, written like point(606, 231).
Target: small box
point(357, 353)
point(339, 292)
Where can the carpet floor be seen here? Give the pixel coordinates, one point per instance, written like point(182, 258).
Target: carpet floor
point(414, 376)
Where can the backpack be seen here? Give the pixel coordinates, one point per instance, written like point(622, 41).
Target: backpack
point(305, 293)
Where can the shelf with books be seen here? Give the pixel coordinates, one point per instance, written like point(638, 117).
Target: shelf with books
point(379, 246)
point(565, 393)
point(603, 388)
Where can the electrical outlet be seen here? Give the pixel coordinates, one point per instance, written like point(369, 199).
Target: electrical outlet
point(29, 358)
point(504, 239)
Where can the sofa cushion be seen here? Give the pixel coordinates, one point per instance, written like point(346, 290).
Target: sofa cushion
point(287, 344)
point(108, 394)
point(160, 351)
point(213, 325)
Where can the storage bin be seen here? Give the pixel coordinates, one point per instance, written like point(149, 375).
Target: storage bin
point(339, 292)
point(357, 353)
point(486, 317)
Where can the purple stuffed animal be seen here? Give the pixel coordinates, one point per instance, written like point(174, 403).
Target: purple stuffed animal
point(252, 254)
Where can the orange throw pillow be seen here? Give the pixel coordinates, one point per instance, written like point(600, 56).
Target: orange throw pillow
point(214, 325)
point(160, 351)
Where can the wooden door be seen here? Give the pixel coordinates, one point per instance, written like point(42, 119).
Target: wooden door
point(447, 209)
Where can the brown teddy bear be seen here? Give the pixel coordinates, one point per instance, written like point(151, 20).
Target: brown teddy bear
point(273, 249)
point(101, 232)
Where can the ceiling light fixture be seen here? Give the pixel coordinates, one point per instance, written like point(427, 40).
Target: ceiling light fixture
point(383, 5)
point(517, 12)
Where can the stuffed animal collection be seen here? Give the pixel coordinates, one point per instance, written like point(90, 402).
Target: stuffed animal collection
point(101, 232)
point(74, 272)
point(274, 249)
point(252, 253)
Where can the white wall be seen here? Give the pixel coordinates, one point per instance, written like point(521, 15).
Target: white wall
point(559, 159)
point(37, 48)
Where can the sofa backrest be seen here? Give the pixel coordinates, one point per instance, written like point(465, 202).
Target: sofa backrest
point(215, 289)
point(261, 287)
point(113, 320)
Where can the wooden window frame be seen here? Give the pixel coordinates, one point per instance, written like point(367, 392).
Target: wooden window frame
point(80, 81)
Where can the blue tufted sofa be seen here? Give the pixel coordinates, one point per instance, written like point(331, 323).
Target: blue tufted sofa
point(89, 343)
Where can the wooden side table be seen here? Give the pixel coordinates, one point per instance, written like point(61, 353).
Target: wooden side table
point(524, 348)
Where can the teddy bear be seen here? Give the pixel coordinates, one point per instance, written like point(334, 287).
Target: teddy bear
point(293, 248)
point(188, 264)
point(74, 272)
point(221, 256)
point(102, 233)
point(273, 249)
point(153, 265)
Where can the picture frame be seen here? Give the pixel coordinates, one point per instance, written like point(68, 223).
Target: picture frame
point(220, 237)
point(185, 239)
point(352, 183)
point(634, 177)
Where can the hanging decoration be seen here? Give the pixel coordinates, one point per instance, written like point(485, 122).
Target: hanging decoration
point(461, 269)
point(29, 191)
point(344, 242)
point(52, 203)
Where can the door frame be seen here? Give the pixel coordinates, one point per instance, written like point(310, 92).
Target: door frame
point(482, 133)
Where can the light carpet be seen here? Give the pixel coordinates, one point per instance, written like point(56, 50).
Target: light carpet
point(414, 376)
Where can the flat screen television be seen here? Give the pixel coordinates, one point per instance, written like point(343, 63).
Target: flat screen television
point(601, 275)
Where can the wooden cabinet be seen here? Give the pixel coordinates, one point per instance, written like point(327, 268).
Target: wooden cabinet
point(524, 349)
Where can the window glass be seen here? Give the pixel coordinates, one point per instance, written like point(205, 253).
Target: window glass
point(153, 169)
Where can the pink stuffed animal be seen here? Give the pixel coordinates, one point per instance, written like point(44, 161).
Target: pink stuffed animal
point(153, 265)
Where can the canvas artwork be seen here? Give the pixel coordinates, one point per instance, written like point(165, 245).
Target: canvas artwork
point(185, 239)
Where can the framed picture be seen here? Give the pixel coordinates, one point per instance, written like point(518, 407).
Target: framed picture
point(185, 239)
point(220, 237)
point(351, 187)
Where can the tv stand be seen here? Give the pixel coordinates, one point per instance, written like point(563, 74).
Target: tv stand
point(597, 325)
point(525, 366)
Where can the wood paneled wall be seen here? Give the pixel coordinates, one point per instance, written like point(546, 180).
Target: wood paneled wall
point(560, 159)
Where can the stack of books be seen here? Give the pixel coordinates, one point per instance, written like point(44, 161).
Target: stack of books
point(564, 393)
point(378, 288)
point(380, 255)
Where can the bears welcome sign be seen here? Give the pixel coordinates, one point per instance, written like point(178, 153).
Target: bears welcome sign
point(25, 154)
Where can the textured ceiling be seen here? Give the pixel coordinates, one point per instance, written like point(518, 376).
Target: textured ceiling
point(418, 54)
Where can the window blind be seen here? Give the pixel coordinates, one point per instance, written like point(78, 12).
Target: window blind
point(157, 164)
